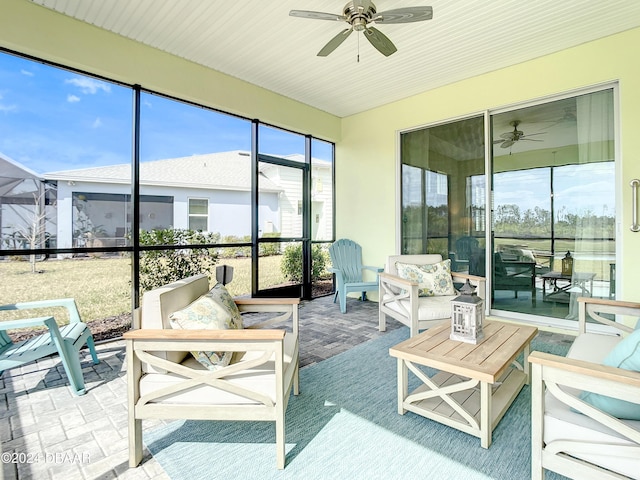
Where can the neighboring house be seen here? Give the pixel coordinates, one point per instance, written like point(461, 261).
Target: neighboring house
point(23, 205)
point(208, 192)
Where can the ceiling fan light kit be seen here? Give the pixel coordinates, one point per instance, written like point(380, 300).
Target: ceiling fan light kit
point(360, 14)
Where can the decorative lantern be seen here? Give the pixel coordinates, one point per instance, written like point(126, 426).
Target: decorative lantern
point(567, 264)
point(467, 316)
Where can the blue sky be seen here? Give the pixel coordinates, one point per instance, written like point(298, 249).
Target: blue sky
point(52, 119)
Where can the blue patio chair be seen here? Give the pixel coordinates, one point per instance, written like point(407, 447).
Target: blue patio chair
point(66, 340)
point(346, 257)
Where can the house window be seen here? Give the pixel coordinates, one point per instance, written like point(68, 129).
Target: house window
point(198, 214)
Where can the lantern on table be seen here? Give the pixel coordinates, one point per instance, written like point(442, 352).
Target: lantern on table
point(567, 264)
point(467, 316)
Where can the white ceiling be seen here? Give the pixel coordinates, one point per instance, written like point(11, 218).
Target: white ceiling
point(259, 42)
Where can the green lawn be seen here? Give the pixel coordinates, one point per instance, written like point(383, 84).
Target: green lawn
point(101, 286)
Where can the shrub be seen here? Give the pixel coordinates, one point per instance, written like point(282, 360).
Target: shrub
point(292, 262)
point(269, 249)
point(235, 252)
point(159, 267)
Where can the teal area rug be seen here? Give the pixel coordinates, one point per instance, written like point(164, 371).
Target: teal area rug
point(345, 425)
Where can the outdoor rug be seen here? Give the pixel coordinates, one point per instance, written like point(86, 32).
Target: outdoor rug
point(345, 425)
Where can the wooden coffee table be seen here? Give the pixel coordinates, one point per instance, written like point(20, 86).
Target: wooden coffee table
point(474, 385)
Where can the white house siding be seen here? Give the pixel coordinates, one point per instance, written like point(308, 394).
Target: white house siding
point(291, 182)
point(290, 179)
point(321, 202)
point(222, 178)
point(229, 210)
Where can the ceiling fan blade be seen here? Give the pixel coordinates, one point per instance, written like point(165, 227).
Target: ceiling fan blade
point(531, 134)
point(317, 15)
point(335, 42)
point(507, 144)
point(495, 142)
point(380, 41)
point(532, 139)
point(404, 15)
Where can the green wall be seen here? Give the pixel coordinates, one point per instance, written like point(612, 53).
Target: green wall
point(367, 156)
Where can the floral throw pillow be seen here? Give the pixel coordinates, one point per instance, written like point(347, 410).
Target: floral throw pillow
point(433, 279)
point(214, 310)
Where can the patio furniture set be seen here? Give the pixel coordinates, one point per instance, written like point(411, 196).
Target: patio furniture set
point(189, 356)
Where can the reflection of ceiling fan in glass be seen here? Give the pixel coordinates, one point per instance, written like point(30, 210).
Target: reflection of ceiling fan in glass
point(507, 139)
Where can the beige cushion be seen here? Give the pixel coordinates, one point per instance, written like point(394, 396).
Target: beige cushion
point(429, 308)
point(159, 303)
point(259, 379)
point(592, 347)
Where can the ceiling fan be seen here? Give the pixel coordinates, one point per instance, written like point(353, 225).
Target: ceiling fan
point(359, 14)
point(507, 139)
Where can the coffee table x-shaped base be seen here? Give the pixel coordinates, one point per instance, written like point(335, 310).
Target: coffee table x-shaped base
point(466, 393)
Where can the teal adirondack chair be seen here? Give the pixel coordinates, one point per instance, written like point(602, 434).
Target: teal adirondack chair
point(66, 340)
point(346, 257)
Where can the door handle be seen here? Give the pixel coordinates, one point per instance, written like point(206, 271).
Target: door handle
point(635, 183)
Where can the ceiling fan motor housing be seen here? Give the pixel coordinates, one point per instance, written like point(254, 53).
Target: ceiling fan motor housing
point(359, 16)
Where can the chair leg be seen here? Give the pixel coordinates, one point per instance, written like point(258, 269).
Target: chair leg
point(382, 321)
point(537, 422)
point(280, 443)
point(135, 440)
point(343, 302)
point(73, 369)
point(296, 381)
point(92, 349)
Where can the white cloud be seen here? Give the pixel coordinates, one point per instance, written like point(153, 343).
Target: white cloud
point(27, 73)
point(7, 108)
point(97, 123)
point(88, 86)
point(73, 98)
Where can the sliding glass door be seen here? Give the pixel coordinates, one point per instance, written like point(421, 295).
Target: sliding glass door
point(553, 169)
point(550, 235)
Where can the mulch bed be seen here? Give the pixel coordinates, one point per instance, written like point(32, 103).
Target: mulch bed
point(102, 329)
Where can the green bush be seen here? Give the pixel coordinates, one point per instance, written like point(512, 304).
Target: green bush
point(265, 249)
point(235, 252)
point(292, 262)
point(159, 267)
point(269, 249)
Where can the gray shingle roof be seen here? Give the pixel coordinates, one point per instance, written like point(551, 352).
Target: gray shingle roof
point(224, 170)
